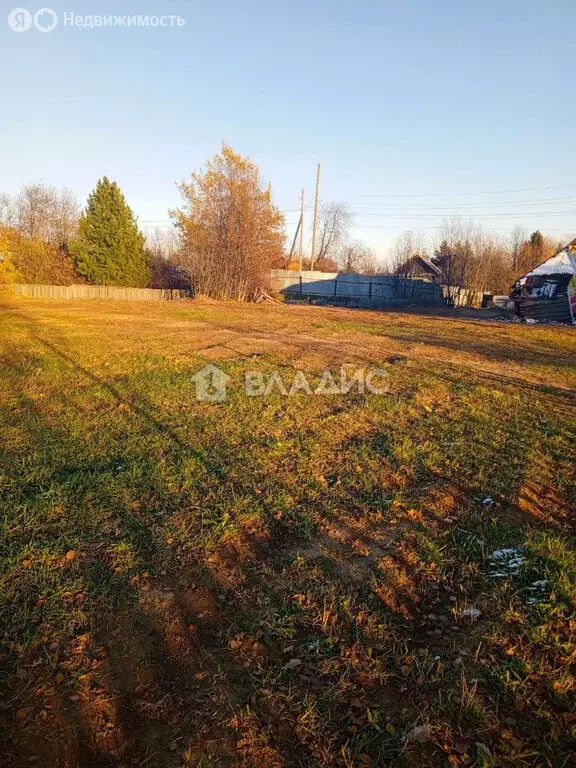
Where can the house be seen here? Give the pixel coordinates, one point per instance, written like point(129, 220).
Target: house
point(548, 292)
point(419, 267)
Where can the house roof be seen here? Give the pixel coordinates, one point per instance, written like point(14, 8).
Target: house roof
point(428, 266)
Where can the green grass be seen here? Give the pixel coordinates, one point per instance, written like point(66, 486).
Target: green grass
point(283, 580)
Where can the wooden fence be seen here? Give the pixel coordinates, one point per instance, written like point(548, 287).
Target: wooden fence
point(97, 292)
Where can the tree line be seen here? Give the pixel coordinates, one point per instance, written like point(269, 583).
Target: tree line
point(228, 233)
point(469, 256)
point(46, 238)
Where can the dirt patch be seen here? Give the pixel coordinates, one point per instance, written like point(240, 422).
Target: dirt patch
point(219, 352)
point(201, 602)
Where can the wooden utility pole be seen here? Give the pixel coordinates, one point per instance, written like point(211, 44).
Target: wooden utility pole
point(313, 254)
point(298, 229)
point(301, 227)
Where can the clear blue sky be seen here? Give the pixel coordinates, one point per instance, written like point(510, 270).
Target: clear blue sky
point(393, 98)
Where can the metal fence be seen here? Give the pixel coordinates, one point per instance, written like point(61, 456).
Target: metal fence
point(362, 290)
point(97, 292)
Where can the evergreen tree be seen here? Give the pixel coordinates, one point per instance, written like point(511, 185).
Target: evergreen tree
point(109, 248)
point(536, 248)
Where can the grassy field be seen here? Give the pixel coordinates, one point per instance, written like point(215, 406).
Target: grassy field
point(284, 581)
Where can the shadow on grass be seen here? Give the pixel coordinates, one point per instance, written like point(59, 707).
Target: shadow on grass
point(246, 645)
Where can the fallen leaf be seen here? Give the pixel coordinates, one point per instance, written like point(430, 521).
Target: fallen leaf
point(421, 733)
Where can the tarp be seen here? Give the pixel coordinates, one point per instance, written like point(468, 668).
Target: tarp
point(572, 283)
point(548, 292)
point(562, 263)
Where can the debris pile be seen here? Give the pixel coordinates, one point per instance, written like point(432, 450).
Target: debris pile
point(505, 562)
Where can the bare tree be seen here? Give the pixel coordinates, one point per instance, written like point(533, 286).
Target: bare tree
point(65, 216)
point(407, 245)
point(42, 212)
point(162, 243)
point(34, 208)
point(455, 255)
point(355, 256)
point(473, 260)
point(163, 248)
point(6, 210)
point(517, 239)
point(335, 221)
point(489, 268)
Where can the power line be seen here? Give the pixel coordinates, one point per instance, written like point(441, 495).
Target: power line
point(492, 192)
point(394, 214)
point(474, 206)
point(427, 228)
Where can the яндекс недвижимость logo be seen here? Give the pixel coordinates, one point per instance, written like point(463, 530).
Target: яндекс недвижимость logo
point(21, 20)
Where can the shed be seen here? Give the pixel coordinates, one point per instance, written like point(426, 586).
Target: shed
point(548, 292)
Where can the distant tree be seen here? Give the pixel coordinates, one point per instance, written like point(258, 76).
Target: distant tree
point(163, 252)
point(534, 251)
point(232, 233)
point(537, 247)
point(407, 245)
point(457, 255)
point(325, 264)
point(455, 261)
point(443, 254)
point(334, 225)
point(65, 217)
point(517, 239)
point(9, 273)
point(355, 256)
point(162, 243)
point(6, 210)
point(109, 248)
point(476, 259)
point(322, 265)
point(42, 212)
point(34, 261)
